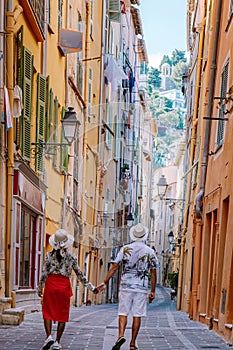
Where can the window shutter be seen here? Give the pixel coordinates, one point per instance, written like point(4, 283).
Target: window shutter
point(50, 116)
point(64, 149)
point(19, 78)
point(222, 107)
point(114, 11)
point(27, 75)
point(60, 14)
point(40, 120)
point(47, 107)
point(55, 127)
point(109, 120)
point(117, 138)
point(90, 91)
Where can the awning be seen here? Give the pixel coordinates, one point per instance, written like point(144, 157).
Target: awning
point(70, 40)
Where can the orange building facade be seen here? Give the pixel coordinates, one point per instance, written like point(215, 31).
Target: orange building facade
point(207, 244)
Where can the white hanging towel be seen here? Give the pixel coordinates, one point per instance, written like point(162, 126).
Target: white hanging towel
point(7, 111)
point(17, 102)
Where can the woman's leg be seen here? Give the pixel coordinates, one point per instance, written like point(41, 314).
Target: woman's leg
point(60, 330)
point(48, 327)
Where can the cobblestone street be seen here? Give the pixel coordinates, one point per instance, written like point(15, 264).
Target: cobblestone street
point(95, 327)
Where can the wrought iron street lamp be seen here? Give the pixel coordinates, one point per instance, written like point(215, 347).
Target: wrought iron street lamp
point(69, 123)
point(162, 189)
point(162, 186)
point(130, 219)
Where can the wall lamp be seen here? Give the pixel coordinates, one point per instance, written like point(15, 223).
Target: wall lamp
point(162, 189)
point(173, 242)
point(130, 219)
point(69, 125)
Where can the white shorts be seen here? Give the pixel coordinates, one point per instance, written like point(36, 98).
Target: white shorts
point(133, 302)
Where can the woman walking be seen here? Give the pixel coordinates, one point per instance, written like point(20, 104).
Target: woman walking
point(55, 279)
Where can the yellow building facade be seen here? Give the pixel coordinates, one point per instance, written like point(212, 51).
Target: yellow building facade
point(61, 54)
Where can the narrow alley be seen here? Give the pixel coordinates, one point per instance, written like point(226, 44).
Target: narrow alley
point(95, 327)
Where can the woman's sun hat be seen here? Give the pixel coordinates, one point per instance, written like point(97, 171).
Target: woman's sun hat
point(138, 233)
point(61, 239)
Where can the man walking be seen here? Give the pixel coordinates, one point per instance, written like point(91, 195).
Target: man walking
point(138, 271)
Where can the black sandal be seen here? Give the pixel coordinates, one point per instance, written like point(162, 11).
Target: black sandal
point(120, 341)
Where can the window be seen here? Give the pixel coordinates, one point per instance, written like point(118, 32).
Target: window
point(222, 106)
point(26, 85)
point(40, 119)
point(91, 19)
point(90, 91)
point(231, 9)
point(79, 72)
point(39, 10)
point(64, 149)
point(60, 2)
point(55, 130)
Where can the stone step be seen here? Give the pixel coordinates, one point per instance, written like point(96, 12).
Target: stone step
point(12, 316)
point(5, 303)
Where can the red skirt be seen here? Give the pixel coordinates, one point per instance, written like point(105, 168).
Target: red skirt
point(56, 298)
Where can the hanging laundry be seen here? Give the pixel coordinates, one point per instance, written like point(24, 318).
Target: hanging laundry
point(7, 111)
point(113, 73)
point(17, 102)
point(123, 7)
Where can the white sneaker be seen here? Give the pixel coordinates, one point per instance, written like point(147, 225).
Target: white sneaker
point(48, 342)
point(56, 346)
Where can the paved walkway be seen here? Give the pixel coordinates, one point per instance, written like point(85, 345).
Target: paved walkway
point(95, 328)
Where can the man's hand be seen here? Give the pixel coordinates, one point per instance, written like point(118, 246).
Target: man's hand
point(101, 287)
point(151, 297)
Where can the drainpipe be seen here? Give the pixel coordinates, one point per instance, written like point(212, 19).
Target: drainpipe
point(209, 108)
point(86, 80)
point(98, 173)
point(2, 144)
point(10, 147)
point(191, 158)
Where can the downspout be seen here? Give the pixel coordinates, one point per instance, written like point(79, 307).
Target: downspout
point(191, 159)
point(2, 150)
point(99, 168)
point(10, 147)
point(81, 256)
point(213, 67)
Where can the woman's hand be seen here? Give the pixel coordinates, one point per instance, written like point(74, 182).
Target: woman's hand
point(101, 287)
point(39, 293)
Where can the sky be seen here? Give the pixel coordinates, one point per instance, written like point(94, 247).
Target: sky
point(164, 27)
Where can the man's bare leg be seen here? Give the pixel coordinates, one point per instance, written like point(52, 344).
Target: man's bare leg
point(135, 329)
point(122, 322)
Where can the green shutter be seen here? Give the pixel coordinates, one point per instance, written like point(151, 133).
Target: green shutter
point(64, 149)
point(114, 11)
point(27, 76)
point(19, 78)
point(50, 116)
point(55, 131)
point(47, 109)
point(40, 120)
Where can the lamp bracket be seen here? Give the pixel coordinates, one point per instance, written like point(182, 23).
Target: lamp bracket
point(48, 148)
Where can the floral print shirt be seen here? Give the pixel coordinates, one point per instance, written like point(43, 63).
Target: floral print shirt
point(68, 263)
point(137, 261)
